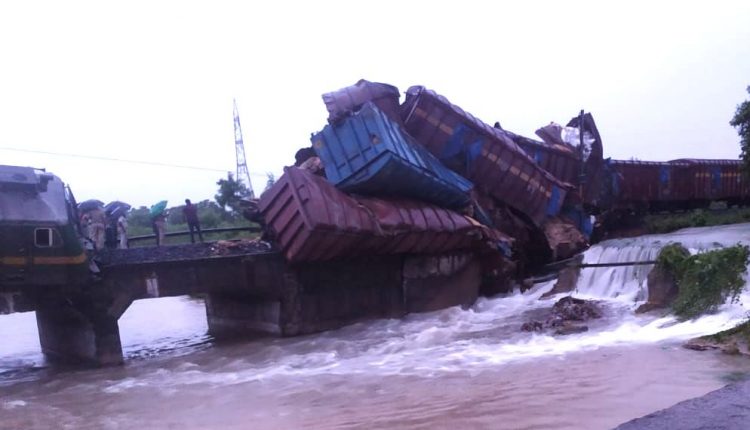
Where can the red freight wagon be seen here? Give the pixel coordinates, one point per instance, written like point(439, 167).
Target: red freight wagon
point(408, 226)
point(648, 184)
point(312, 221)
point(483, 154)
point(715, 180)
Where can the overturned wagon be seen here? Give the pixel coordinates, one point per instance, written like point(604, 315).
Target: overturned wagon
point(483, 154)
point(311, 220)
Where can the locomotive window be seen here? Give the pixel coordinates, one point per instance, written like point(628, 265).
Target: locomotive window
point(47, 237)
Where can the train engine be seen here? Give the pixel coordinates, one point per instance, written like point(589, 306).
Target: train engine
point(40, 241)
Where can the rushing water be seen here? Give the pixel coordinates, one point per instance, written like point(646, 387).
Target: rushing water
point(455, 368)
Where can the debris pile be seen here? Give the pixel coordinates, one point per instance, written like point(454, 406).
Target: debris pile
point(566, 317)
point(427, 177)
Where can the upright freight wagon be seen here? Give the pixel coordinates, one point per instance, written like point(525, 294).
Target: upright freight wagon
point(648, 185)
point(712, 180)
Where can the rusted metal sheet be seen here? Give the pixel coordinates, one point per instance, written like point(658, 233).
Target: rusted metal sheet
point(369, 154)
point(313, 221)
point(350, 99)
point(485, 155)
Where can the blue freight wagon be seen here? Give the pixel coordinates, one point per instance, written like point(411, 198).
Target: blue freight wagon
point(367, 153)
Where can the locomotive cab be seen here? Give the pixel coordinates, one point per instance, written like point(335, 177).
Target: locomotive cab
point(40, 243)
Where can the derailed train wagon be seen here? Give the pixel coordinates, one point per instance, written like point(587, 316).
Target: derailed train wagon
point(368, 153)
point(562, 161)
point(483, 154)
point(312, 220)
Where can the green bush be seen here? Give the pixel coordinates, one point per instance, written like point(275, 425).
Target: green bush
point(708, 279)
point(698, 219)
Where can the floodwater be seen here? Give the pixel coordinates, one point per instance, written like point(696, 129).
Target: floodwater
point(455, 368)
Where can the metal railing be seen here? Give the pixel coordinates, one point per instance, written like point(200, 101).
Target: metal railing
point(203, 231)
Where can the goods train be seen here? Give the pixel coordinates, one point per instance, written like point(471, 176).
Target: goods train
point(40, 241)
point(645, 186)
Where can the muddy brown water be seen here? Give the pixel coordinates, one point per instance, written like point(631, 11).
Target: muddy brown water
point(372, 375)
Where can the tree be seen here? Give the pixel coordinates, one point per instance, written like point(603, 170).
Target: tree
point(741, 122)
point(230, 193)
point(270, 181)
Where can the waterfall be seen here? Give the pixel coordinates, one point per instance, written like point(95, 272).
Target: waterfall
point(629, 283)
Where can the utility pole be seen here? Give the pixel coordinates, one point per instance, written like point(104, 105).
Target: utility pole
point(243, 175)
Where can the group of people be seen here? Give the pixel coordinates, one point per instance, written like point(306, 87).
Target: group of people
point(94, 225)
point(190, 212)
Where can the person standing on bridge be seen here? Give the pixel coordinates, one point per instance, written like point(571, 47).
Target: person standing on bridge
point(97, 227)
point(122, 231)
point(191, 216)
point(158, 224)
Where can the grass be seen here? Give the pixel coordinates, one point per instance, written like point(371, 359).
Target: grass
point(666, 223)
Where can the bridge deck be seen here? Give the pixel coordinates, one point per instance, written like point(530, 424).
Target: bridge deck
point(192, 252)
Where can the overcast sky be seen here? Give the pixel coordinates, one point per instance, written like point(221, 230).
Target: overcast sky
point(154, 81)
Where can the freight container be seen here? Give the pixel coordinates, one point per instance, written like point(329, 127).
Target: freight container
point(715, 180)
point(367, 153)
point(344, 102)
point(312, 220)
point(414, 227)
point(483, 154)
point(648, 185)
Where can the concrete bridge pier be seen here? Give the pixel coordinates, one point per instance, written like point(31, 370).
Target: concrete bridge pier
point(78, 332)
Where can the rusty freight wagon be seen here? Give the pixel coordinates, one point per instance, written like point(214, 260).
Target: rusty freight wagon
point(483, 154)
point(711, 180)
point(311, 220)
point(648, 185)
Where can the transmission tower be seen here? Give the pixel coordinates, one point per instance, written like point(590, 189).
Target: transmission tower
point(243, 175)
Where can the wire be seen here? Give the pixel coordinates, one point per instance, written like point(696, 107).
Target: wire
point(120, 160)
